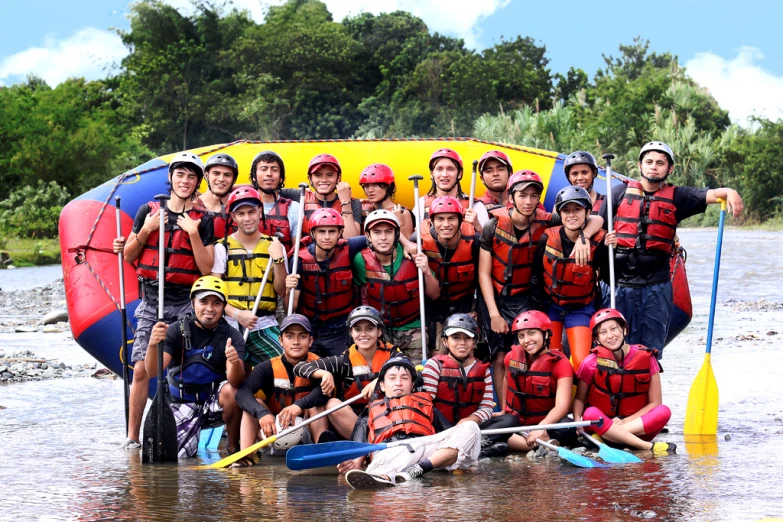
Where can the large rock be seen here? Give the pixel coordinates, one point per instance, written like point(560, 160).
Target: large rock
point(55, 316)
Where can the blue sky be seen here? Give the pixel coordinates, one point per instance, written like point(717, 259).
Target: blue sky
point(735, 52)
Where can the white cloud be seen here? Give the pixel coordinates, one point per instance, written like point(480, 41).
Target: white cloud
point(740, 85)
point(87, 53)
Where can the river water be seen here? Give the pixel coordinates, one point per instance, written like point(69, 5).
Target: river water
point(60, 456)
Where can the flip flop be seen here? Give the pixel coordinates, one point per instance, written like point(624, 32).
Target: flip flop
point(244, 462)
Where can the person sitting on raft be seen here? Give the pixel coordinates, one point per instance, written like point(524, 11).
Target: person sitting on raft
point(539, 382)
point(355, 371)
point(565, 289)
point(402, 414)
point(621, 382)
point(272, 389)
point(461, 386)
point(204, 356)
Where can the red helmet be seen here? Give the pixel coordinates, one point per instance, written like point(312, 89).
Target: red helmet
point(532, 319)
point(496, 155)
point(323, 159)
point(521, 179)
point(326, 217)
point(445, 153)
point(377, 173)
point(243, 194)
point(446, 205)
point(604, 315)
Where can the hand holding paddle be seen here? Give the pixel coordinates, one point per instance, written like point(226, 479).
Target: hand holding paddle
point(472, 197)
point(124, 359)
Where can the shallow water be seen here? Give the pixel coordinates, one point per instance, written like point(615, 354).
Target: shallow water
point(29, 277)
point(60, 456)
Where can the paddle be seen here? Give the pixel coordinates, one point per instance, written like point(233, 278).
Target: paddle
point(417, 209)
point(472, 197)
point(570, 456)
point(270, 440)
point(610, 223)
point(160, 428)
point(612, 455)
point(309, 456)
point(124, 360)
point(302, 188)
point(701, 417)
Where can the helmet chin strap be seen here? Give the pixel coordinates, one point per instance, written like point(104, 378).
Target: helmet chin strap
point(461, 361)
point(656, 180)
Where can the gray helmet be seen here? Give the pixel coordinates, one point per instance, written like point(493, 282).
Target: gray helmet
point(657, 146)
point(398, 360)
point(270, 155)
point(460, 323)
point(580, 157)
point(573, 194)
point(224, 160)
point(364, 313)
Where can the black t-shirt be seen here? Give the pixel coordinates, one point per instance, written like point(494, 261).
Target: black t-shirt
point(203, 338)
point(638, 270)
point(175, 294)
point(356, 205)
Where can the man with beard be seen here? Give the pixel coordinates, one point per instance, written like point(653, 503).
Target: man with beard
point(279, 214)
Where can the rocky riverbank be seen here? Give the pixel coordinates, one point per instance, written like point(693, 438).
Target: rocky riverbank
point(26, 366)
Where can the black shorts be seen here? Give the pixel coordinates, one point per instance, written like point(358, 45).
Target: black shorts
point(510, 308)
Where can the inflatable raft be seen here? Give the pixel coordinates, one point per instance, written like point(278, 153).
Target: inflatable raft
point(88, 226)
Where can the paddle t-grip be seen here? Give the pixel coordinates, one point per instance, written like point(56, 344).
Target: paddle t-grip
point(117, 201)
point(415, 179)
point(608, 157)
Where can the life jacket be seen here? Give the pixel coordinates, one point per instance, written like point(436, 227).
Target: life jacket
point(599, 201)
point(277, 221)
point(490, 203)
point(531, 388)
point(363, 373)
point(244, 273)
point(408, 415)
point(620, 391)
point(428, 199)
point(459, 394)
point(286, 392)
point(646, 222)
point(311, 204)
point(196, 378)
point(457, 276)
point(180, 264)
point(566, 283)
point(396, 298)
point(326, 294)
point(222, 224)
point(512, 260)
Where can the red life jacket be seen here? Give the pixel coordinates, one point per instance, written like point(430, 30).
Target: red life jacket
point(457, 276)
point(646, 222)
point(512, 260)
point(531, 388)
point(428, 199)
point(326, 294)
point(222, 224)
point(181, 268)
point(566, 283)
point(490, 203)
point(459, 394)
point(396, 298)
point(277, 221)
point(409, 414)
point(311, 204)
point(620, 391)
point(286, 392)
point(599, 200)
point(363, 373)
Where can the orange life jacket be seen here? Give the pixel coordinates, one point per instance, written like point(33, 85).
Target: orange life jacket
point(512, 260)
point(531, 388)
point(490, 203)
point(180, 264)
point(620, 391)
point(410, 415)
point(311, 204)
point(428, 199)
point(646, 222)
point(286, 392)
point(277, 221)
point(566, 283)
point(457, 276)
point(363, 373)
point(459, 394)
point(326, 294)
point(396, 298)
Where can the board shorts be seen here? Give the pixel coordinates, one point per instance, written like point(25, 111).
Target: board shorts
point(261, 345)
point(192, 417)
point(329, 341)
point(509, 307)
point(146, 315)
point(409, 343)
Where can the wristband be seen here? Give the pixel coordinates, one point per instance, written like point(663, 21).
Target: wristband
point(278, 260)
point(582, 237)
point(345, 204)
point(346, 213)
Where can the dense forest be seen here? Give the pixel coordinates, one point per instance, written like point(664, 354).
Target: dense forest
point(218, 76)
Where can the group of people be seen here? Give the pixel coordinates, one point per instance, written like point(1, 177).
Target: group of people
point(504, 282)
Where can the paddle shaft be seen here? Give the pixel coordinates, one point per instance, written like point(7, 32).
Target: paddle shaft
point(473, 185)
point(123, 318)
point(162, 198)
point(610, 223)
point(420, 214)
point(299, 224)
point(715, 273)
point(260, 291)
point(560, 425)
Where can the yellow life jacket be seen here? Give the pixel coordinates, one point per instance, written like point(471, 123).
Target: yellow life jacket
point(244, 272)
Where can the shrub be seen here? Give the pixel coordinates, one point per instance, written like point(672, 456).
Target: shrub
point(33, 211)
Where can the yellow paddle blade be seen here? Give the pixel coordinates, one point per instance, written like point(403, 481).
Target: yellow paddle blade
point(701, 417)
point(245, 452)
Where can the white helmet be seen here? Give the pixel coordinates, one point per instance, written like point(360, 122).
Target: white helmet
point(381, 216)
point(657, 146)
point(290, 440)
point(189, 158)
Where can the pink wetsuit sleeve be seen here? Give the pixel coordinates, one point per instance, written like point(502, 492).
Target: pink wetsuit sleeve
point(586, 371)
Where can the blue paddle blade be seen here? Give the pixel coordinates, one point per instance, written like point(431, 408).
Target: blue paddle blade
point(309, 456)
point(617, 456)
point(578, 460)
point(210, 438)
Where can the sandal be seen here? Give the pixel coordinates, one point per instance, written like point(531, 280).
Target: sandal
point(244, 462)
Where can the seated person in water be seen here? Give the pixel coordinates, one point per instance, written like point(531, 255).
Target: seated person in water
point(621, 382)
point(353, 372)
point(401, 414)
point(539, 382)
point(204, 356)
point(272, 390)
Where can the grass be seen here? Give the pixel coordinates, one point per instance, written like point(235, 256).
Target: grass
point(32, 252)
